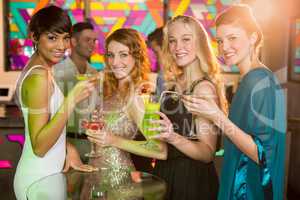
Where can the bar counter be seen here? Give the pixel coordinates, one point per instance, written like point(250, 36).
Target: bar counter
point(75, 185)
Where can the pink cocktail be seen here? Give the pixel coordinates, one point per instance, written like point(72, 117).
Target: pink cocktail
point(95, 125)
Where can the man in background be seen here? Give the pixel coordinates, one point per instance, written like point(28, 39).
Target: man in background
point(83, 42)
point(154, 41)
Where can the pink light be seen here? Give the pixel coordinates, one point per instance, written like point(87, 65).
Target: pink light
point(19, 138)
point(107, 13)
point(5, 164)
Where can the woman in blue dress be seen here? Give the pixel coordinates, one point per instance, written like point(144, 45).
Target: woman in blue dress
point(253, 166)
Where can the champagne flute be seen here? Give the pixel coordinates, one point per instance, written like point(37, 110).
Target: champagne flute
point(96, 123)
point(175, 95)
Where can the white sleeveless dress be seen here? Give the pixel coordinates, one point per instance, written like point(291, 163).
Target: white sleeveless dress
point(31, 167)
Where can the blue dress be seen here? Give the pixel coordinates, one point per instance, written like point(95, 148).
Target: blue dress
point(258, 108)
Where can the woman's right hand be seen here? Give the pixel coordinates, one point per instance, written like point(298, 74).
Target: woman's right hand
point(101, 138)
point(202, 106)
point(82, 90)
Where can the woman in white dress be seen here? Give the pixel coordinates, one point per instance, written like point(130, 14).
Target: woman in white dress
point(44, 108)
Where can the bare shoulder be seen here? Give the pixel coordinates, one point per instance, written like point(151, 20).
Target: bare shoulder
point(38, 75)
point(205, 88)
point(36, 86)
point(39, 70)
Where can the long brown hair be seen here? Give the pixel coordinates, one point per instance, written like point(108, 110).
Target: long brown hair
point(138, 49)
point(204, 53)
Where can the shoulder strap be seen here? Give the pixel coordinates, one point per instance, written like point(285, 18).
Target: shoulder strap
point(21, 82)
point(190, 90)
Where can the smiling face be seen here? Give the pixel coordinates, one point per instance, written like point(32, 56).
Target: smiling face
point(84, 43)
point(119, 59)
point(51, 47)
point(181, 43)
point(235, 45)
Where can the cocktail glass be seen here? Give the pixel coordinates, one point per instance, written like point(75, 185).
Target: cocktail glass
point(83, 77)
point(152, 106)
point(96, 125)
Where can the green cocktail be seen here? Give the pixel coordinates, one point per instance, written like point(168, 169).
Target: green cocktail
point(150, 114)
point(83, 77)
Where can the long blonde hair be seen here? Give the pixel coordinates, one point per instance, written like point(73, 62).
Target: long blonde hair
point(204, 53)
point(138, 49)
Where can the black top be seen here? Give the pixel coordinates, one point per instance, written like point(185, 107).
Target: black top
point(187, 179)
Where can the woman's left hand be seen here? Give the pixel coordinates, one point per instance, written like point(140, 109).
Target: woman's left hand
point(73, 161)
point(202, 106)
point(101, 138)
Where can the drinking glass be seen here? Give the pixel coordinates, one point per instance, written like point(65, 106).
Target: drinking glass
point(96, 124)
point(175, 95)
point(98, 191)
point(83, 77)
point(152, 105)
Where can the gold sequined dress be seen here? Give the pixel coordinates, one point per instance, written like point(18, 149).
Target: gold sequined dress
point(114, 164)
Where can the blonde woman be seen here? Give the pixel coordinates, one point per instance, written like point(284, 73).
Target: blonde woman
point(192, 69)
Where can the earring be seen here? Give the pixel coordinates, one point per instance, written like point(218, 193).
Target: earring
point(35, 44)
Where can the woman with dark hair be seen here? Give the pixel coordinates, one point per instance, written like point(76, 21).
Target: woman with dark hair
point(44, 108)
point(253, 166)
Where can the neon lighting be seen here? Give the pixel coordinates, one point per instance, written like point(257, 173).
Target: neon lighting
point(18, 138)
point(5, 164)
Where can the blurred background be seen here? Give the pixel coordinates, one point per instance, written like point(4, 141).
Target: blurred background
point(279, 19)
